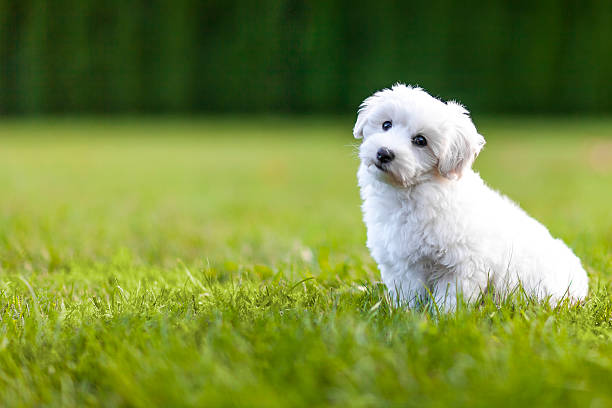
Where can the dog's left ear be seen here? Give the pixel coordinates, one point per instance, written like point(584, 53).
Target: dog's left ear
point(463, 143)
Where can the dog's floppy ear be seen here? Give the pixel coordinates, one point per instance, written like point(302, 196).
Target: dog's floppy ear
point(360, 123)
point(362, 116)
point(463, 143)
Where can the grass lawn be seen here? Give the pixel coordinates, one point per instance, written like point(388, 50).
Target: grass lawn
point(222, 262)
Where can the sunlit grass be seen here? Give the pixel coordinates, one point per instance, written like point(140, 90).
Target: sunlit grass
point(219, 262)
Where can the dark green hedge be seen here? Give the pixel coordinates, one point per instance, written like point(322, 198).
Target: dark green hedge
point(314, 56)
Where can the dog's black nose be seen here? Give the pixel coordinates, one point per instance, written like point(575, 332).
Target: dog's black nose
point(385, 155)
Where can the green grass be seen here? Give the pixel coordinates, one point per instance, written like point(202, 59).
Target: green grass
point(221, 262)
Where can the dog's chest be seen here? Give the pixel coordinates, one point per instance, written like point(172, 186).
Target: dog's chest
point(397, 229)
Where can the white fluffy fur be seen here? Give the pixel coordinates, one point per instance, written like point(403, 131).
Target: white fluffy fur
point(434, 227)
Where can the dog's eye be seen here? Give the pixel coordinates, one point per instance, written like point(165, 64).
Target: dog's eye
point(387, 125)
point(419, 140)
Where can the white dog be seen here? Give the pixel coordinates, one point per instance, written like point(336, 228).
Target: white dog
point(434, 228)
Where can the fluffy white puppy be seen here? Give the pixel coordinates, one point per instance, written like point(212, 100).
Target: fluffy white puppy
point(434, 228)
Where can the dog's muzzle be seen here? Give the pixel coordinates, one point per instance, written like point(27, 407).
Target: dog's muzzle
point(384, 155)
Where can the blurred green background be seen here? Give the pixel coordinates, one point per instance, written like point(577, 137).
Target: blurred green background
point(187, 56)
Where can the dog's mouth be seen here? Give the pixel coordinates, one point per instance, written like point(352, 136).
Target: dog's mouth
point(380, 167)
point(388, 174)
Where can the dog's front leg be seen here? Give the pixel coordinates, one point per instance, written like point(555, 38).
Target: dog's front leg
point(446, 294)
point(406, 287)
point(450, 289)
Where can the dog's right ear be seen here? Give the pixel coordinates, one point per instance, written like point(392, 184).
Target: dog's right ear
point(362, 115)
point(361, 121)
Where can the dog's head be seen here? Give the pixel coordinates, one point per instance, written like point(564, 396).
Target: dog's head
point(410, 137)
